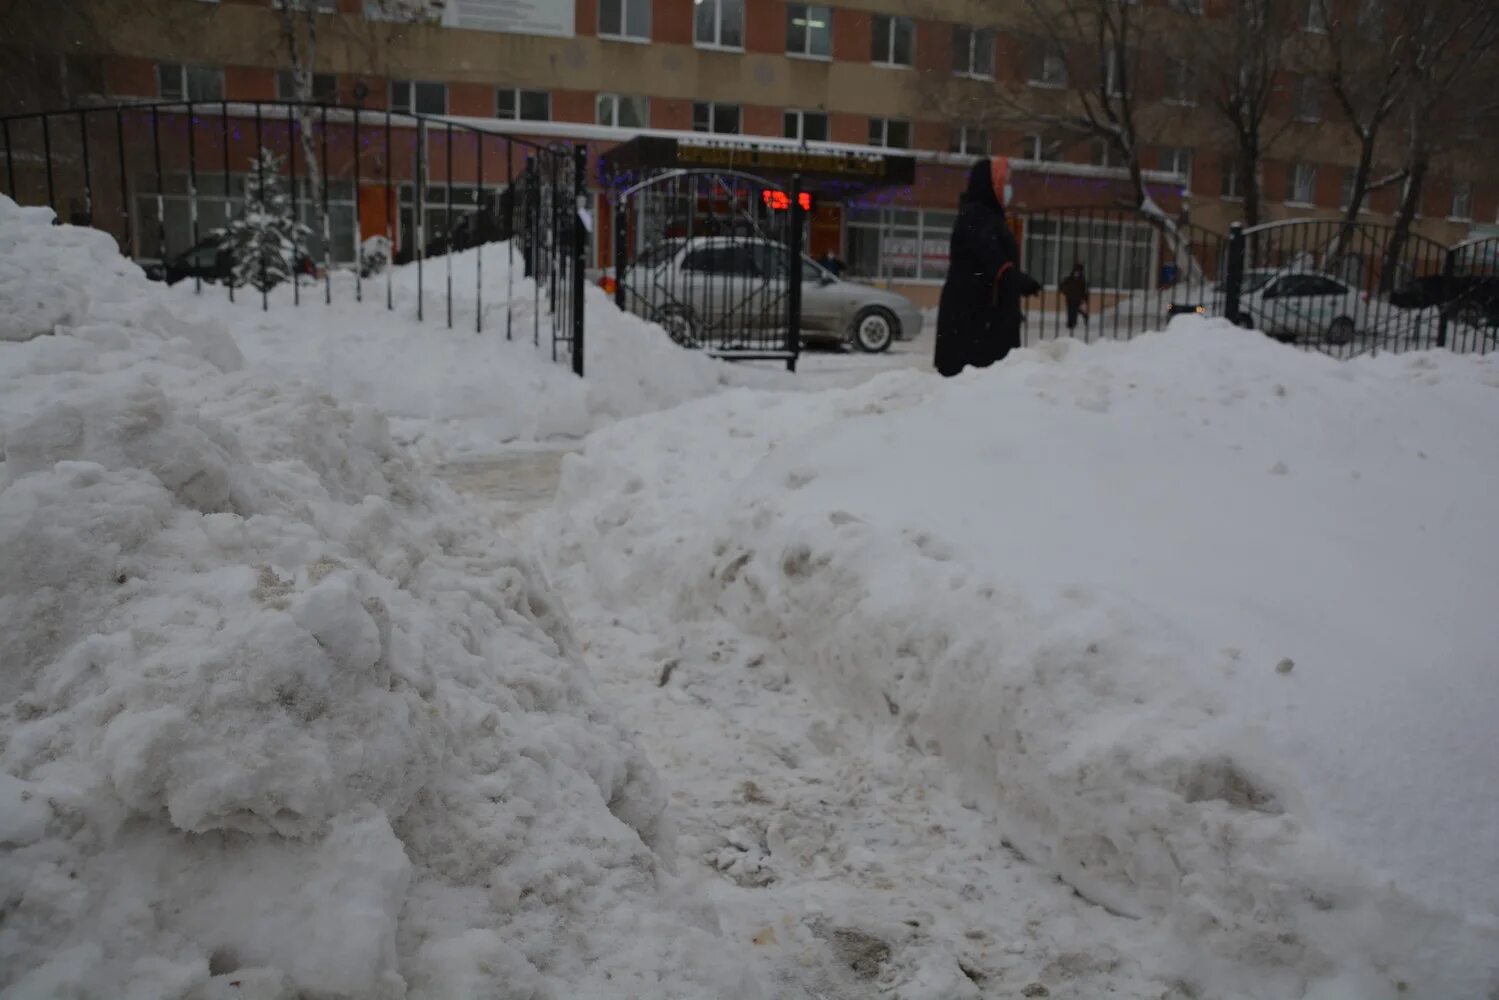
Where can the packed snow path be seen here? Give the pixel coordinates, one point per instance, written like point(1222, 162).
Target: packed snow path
point(842, 861)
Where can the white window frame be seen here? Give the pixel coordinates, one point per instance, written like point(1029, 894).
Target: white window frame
point(1111, 71)
point(184, 89)
point(716, 42)
point(624, 34)
point(1174, 155)
point(713, 108)
point(807, 13)
point(897, 21)
point(800, 117)
point(1052, 58)
point(614, 101)
point(410, 105)
point(1316, 21)
point(882, 127)
point(1233, 180)
point(1188, 6)
point(960, 137)
point(1039, 149)
point(1462, 202)
point(284, 76)
point(1309, 172)
point(978, 40)
point(516, 95)
point(930, 232)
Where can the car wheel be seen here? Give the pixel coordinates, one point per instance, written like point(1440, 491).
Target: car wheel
point(875, 330)
point(1340, 332)
point(679, 326)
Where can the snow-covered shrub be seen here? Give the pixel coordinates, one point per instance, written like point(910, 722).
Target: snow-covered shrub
point(266, 242)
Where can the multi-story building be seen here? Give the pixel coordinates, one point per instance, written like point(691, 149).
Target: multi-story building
point(746, 71)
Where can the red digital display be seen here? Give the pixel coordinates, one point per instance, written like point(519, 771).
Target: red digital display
point(780, 201)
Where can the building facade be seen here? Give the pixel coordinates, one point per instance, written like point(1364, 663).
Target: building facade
point(765, 72)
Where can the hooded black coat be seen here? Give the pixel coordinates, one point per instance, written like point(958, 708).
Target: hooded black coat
point(979, 317)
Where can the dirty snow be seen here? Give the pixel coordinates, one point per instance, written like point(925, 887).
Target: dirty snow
point(280, 717)
point(1201, 624)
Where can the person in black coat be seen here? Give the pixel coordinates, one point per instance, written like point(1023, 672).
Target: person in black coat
point(979, 317)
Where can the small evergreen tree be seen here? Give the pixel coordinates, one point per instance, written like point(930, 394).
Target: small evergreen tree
point(265, 241)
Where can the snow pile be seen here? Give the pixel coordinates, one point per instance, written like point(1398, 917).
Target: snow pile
point(457, 392)
point(275, 719)
point(1206, 621)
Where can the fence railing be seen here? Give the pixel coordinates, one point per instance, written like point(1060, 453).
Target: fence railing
point(1322, 284)
point(236, 194)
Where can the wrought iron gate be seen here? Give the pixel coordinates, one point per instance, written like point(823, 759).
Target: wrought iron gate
point(714, 257)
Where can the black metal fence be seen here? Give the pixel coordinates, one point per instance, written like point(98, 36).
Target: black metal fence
point(715, 257)
point(350, 190)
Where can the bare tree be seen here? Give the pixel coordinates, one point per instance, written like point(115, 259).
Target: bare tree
point(1363, 68)
point(1237, 61)
point(1446, 58)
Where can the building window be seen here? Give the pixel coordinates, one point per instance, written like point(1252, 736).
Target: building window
point(808, 126)
point(1345, 196)
point(894, 41)
point(1117, 256)
point(1188, 6)
point(1103, 154)
point(420, 97)
point(809, 30)
point(175, 82)
point(324, 87)
point(1178, 161)
point(1233, 189)
point(323, 6)
point(1308, 100)
point(1462, 201)
point(1040, 149)
point(1048, 65)
point(970, 140)
point(890, 133)
point(899, 243)
point(1303, 184)
point(1316, 16)
point(1180, 87)
point(718, 24)
point(1111, 68)
point(523, 105)
point(625, 19)
point(973, 51)
point(624, 111)
point(215, 200)
point(710, 116)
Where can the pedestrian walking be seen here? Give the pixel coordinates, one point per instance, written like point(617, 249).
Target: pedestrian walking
point(1074, 289)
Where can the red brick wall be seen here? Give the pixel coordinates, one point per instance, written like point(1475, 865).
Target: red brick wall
point(1485, 203)
point(476, 100)
point(765, 26)
point(128, 77)
point(666, 113)
point(844, 127)
point(758, 119)
point(934, 46)
point(671, 22)
point(1277, 181)
point(573, 106)
point(853, 33)
point(586, 18)
point(1329, 185)
point(930, 135)
point(248, 83)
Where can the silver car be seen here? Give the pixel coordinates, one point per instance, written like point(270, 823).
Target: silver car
point(711, 291)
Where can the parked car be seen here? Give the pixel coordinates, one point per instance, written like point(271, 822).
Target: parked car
point(693, 286)
point(1301, 305)
point(1254, 280)
point(1471, 299)
point(208, 261)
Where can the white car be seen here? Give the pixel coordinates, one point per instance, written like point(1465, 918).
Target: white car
point(719, 291)
point(1301, 305)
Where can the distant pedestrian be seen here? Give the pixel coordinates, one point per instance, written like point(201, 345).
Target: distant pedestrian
point(831, 264)
point(979, 317)
point(1074, 289)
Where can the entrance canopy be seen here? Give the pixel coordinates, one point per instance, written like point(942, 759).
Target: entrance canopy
point(821, 169)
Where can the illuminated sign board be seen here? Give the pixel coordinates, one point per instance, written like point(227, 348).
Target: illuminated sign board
point(780, 201)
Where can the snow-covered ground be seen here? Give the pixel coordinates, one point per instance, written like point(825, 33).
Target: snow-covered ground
point(1161, 669)
point(1202, 623)
point(280, 716)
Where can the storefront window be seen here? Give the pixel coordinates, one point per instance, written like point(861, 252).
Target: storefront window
point(899, 243)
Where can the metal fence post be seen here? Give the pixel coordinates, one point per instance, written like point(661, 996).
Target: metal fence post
point(621, 250)
point(1234, 280)
point(794, 277)
point(580, 251)
point(1448, 273)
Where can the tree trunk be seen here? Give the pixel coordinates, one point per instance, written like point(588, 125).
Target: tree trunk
point(1249, 176)
point(1409, 202)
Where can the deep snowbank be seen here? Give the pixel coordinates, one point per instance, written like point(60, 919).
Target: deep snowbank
point(275, 719)
point(1209, 621)
point(454, 392)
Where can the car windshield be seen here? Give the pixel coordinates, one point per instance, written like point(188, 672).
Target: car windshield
point(1253, 282)
point(652, 256)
